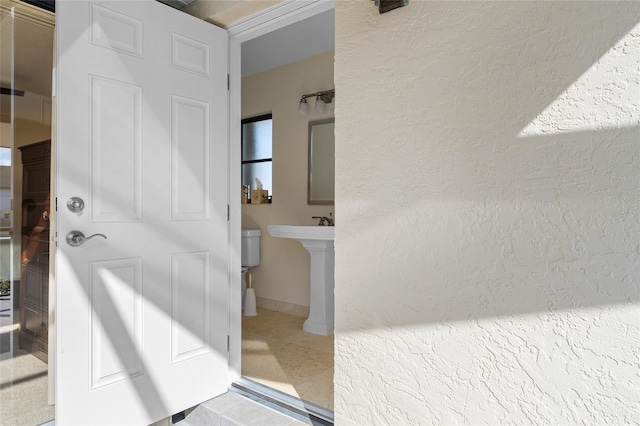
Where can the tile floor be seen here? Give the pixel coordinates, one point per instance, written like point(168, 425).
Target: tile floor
point(23, 377)
point(232, 409)
point(277, 353)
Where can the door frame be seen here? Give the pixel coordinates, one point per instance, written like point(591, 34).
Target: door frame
point(281, 15)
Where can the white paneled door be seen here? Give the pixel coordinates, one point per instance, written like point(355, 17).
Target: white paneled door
point(141, 138)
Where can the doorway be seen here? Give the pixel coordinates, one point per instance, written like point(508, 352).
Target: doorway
point(274, 350)
point(26, 368)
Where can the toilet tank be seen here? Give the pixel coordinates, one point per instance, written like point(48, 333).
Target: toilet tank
point(250, 247)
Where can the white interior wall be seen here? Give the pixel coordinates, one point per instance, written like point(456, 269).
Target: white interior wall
point(488, 197)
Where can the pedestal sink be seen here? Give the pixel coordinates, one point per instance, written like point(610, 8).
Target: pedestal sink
point(318, 240)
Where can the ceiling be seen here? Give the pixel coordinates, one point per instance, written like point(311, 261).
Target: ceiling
point(298, 41)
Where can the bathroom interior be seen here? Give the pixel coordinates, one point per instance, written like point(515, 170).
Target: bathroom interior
point(282, 347)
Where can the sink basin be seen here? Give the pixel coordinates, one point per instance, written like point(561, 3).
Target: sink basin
point(318, 240)
point(298, 232)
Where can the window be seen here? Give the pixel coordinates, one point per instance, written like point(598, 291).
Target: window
point(256, 152)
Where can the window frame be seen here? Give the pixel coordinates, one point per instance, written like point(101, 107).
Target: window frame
point(255, 119)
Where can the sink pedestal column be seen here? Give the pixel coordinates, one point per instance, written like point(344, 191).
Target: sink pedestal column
point(321, 309)
point(318, 241)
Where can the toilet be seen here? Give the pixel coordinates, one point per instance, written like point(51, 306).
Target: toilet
point(250, 256)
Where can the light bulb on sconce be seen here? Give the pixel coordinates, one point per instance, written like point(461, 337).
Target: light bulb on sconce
point(323, 99)
point(303, 106)
point(319, 107)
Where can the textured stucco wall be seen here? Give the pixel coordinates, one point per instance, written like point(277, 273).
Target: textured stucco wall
point(488, 196)
point(283, 274)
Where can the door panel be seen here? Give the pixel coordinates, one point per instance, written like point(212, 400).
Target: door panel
point(142, 139)
point(190, 165)
point(115, 290)
point(116, 134)
point(190, 316)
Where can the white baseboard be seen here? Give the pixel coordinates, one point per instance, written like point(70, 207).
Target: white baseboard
point(280, 306)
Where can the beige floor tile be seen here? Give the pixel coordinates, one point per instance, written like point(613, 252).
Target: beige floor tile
point(256, 344)
point(312, 341)
point(277, 353)
point(273, 324)
point(318, 389)
point(299, 362)
point(263, 367)
point(285, 362)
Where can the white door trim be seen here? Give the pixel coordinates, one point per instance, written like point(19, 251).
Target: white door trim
point(263, 22)
point(276, 17)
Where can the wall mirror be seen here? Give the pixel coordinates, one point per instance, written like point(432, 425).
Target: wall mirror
point(321, 186)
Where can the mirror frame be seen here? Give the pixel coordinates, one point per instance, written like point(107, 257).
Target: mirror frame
point(309, 163)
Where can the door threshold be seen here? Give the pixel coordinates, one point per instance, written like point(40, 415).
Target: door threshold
point(288, 404)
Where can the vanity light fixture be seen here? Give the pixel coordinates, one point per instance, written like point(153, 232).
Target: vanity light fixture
point(322, 99)
point(387, 5)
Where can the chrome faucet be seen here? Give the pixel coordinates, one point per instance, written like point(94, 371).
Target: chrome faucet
point(325, 220)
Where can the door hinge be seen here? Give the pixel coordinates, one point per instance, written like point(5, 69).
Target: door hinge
point(178, 417)
point(228, 343)
point(228, 82)
point(56, 203)
point(228, 213)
